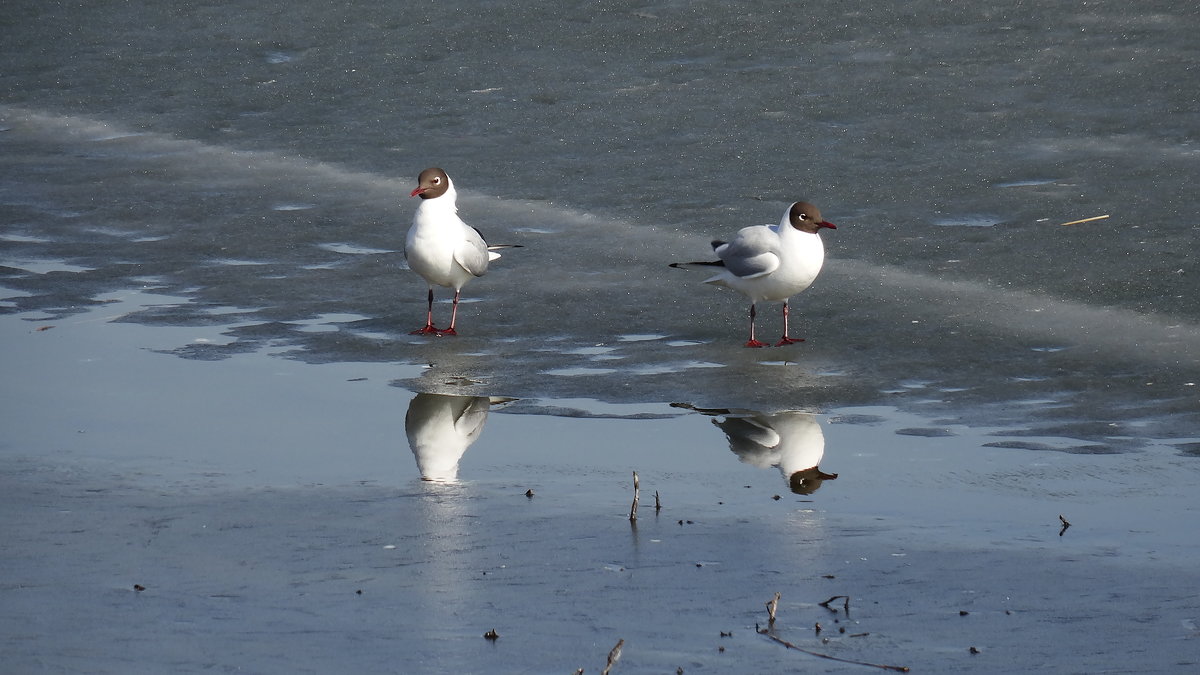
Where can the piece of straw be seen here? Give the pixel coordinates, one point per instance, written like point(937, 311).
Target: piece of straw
point(1085, 220)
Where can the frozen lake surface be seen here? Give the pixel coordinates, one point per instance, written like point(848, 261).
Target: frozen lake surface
point(273, 512)
point(211, 391)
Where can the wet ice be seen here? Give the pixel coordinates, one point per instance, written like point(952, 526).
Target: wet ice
point(233, 179)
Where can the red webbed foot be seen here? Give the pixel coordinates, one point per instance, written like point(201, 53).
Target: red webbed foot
point(785, 340)
point(427, 330)
point(755, 343)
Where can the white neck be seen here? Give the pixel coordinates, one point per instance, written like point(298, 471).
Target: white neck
point(447, 203)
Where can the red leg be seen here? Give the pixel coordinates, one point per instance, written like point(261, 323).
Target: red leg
point(453, 316)
point(752, 342)
point(428, 329)
point(787, 340)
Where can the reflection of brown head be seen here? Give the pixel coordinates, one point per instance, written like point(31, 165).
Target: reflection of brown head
point(808, 481)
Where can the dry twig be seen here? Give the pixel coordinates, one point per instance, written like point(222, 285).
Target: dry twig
point(772, 605)
point(845, 605)
point(614, 654)
point(636, 496)
point(769, 632)
point(785, 643)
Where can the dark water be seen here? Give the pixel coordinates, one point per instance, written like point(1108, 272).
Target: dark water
point(223, 186)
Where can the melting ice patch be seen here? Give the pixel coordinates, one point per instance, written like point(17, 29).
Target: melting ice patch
point(640, 337)
point(37, 266)
point(1032, 182)
point(352, 249)
point(326, 323)
point(971, 220)
point(664, 368)
point(235, 262)
point(579, 371)
point(23, 239)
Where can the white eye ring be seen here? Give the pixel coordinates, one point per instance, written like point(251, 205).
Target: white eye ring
point(803, 216)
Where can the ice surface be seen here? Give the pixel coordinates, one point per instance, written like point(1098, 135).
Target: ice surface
point(256, 498)
point(202, 211)
point(601, 284)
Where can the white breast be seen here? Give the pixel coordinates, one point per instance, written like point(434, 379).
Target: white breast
point(437, 232)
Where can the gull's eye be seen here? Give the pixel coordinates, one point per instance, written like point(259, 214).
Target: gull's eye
point(436, 180)
point(803, 216)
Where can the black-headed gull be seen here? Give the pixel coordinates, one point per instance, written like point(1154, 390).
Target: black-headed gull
point(771, 262)
point(440, 247)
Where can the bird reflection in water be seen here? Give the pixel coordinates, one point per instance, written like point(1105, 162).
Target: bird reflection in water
point(791, 440)
point(441, 427)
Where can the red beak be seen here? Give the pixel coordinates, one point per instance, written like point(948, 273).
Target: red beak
point(418, 191)
point(826, 224)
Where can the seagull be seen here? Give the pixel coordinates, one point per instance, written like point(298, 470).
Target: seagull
point(771, 262)
point(440, 247)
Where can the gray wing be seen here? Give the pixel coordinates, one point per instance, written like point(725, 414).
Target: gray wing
point(472, 253)
point(753, 443)
point(752, 253)
point(748, 432)
point(469, 423)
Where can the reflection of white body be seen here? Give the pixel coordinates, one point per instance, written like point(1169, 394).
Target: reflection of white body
point(790, 440)
point(440, 428)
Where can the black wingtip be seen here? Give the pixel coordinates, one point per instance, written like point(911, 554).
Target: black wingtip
point(701, 263)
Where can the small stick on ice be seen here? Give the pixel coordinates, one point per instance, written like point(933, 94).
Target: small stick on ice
point(1085, 220)
point(772, 605)
point(845, 605)
point(613, 655)
point(657, 502)
point(637, 488)
point(1065, 525)
point(789, 645)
